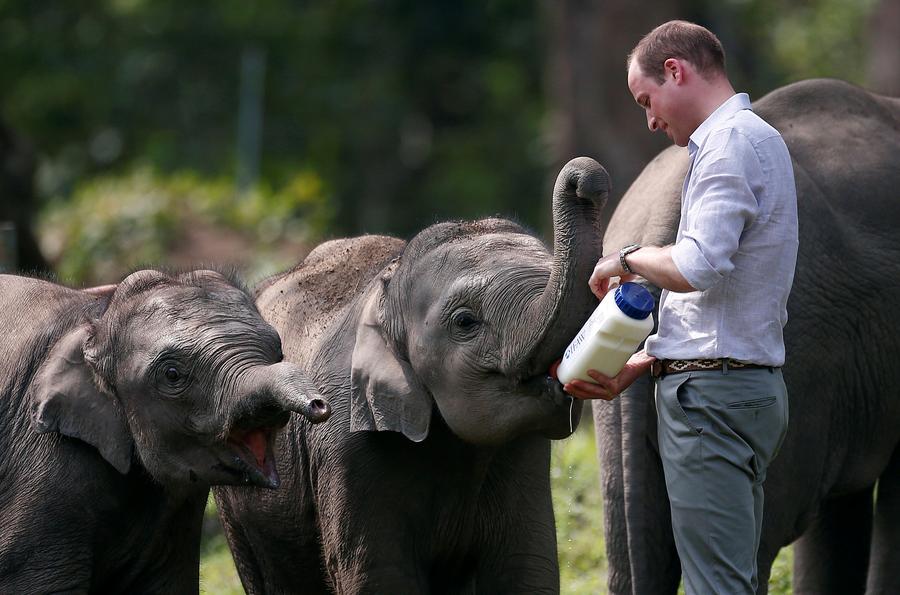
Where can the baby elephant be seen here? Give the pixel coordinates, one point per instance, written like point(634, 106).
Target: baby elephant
point(119, 407)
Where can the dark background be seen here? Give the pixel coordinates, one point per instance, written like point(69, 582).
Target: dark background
point(245, 132)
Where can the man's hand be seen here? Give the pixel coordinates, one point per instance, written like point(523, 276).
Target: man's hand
point(606, 267)
point(607, 388)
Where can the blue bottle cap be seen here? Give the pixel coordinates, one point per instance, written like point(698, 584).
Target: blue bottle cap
point(634, 301)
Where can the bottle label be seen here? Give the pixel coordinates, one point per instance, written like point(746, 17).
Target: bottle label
point(588, 327)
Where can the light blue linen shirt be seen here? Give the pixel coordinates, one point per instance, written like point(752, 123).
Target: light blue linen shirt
point(736, 243)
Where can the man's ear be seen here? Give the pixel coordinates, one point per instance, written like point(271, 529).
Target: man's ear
point(385, 393)
point(66, 399)
point(674, 70)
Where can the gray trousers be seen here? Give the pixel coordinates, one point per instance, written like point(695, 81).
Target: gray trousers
point(718, 432)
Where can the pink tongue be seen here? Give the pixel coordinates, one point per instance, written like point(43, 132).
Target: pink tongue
point(256, 442)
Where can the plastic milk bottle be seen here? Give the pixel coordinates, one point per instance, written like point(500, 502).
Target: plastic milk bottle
point(611, 335)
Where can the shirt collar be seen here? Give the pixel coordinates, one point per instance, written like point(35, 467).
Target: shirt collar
point(731, 106)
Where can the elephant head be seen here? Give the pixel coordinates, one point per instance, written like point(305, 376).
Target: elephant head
point(181, 372)
point(470, 317)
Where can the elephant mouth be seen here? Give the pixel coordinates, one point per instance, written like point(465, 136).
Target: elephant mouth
point(566, 424)
point(253, 456)
point(562, 413)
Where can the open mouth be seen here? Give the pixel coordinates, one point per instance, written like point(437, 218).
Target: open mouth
point(254, 455)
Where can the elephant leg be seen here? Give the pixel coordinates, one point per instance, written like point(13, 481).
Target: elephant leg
point(374, 539)
point(639, 541)
point(518, 550)
point(885, 561)
point(241, 548)
point(832, 556)
point(608, 431)
point(270, 556)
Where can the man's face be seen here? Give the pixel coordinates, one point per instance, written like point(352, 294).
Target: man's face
point(664, 104)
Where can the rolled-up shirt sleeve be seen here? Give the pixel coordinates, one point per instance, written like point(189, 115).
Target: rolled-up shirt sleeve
point(726, 183)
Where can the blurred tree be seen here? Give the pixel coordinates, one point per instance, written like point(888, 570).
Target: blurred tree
point(884, 48)
point(769, 43)
point(17, 199)
point(407, 110)
point(591, 110)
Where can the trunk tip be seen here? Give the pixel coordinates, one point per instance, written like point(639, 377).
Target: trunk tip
point(585, 178)
point(317, 411)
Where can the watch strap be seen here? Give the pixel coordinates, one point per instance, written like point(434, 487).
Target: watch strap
point(625, 251)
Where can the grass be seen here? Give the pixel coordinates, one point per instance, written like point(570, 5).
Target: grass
point(218, 576)
point(579, 529)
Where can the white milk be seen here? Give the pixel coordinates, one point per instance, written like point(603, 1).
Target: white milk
point(611, 335)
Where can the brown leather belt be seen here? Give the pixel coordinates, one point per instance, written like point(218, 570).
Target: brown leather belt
point(661, 367)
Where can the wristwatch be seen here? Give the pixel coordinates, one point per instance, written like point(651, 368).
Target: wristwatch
point(623, 252)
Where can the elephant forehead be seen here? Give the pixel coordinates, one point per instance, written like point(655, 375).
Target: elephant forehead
point(486, 288)
point(200, 305)
point(198, 319)
point(490, 251)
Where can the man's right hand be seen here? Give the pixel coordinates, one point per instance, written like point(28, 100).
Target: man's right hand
point(607, 267)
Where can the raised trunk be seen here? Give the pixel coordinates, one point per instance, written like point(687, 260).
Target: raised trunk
point(581, 190)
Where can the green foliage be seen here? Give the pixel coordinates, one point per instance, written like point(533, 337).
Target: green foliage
point(781, 579)
point(822, 38)
point(113, 224)
point(773, 42)
point(372, 96)
point(577, 502)
point(218, 576)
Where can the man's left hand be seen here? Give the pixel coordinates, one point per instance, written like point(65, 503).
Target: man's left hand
point(607, 388)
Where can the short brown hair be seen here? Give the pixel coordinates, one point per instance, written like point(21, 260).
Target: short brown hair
point(683, 40)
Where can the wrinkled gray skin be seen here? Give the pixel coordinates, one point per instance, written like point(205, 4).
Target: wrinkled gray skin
point(119, 407)
point(841, 342)
point(436, 353)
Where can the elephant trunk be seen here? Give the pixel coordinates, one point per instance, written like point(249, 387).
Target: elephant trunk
point(270, 393)
point(556, 316)
point(275, 390)
point(295, 392)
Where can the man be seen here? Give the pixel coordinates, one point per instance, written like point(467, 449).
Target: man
point(717, 354)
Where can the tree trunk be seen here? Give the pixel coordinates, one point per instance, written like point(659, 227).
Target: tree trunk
point(884, 48)
point(17, 198)
point(591, 111)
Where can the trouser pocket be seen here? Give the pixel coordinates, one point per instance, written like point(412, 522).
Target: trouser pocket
point(753, 403)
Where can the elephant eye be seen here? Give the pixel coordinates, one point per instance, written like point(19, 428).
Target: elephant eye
point(464, 323)
point(172, 374)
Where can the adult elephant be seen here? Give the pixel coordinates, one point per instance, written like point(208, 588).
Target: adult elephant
point(433, 474)
point(841, 340)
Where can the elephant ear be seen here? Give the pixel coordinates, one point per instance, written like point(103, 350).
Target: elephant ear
point(385, 393)
point(66, 399)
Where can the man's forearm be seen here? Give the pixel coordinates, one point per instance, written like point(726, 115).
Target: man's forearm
point(656, 266)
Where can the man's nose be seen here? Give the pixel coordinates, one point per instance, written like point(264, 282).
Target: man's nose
point(652, 123)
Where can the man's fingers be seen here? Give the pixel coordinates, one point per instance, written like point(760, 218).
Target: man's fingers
point(599, 285)
point(588, 390)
